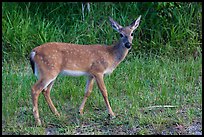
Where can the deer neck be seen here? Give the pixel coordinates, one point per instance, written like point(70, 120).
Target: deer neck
point(119, 53)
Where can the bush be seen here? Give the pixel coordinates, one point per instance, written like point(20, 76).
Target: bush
point(167, 28)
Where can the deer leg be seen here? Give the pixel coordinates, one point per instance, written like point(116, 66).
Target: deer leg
point(102, 87)
point(89, 86)
point(46, 93)
point(35, 92)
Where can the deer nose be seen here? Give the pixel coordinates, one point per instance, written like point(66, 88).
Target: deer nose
point(128, 45)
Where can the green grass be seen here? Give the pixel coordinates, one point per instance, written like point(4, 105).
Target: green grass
point(137, 83)
point(164, 67)
point(174, 29)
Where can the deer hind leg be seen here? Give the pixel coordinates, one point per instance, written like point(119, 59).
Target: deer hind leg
point(89, 86)
point(35, 92)
point(46, 93)
point(102, 87)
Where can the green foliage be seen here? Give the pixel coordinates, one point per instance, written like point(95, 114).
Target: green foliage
point(167, 28)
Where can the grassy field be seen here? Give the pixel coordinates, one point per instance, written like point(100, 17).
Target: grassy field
point(157, 89)
point(137, 84)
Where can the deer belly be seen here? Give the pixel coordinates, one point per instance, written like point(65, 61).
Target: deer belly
point(108, 71)
point(74, 73)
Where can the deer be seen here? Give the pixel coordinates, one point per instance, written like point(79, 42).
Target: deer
point(93, 61)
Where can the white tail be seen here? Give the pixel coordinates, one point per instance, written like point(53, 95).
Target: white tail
point(50, 59)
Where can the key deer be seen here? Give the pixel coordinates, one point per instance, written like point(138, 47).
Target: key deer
point(51, 59)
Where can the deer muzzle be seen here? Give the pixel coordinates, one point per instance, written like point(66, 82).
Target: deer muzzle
point(128, 45)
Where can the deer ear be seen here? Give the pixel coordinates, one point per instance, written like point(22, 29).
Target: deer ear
point(135, 23)
point(115, 25)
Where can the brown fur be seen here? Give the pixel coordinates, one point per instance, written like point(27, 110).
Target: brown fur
point(92, 60)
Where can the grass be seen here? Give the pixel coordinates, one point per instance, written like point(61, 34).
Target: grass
point(174, 30)
point(164, 67)
point(136, 84)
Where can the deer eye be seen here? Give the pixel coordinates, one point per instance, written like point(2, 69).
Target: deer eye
point(131, 34)
point(121, 35)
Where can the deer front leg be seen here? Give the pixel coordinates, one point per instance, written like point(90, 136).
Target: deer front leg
point(102, 87)
point(89, 86)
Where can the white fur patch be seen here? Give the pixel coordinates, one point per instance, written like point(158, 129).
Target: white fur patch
point(45, 87)
point(108, 71)
point(32, 54)
point(35, 68)
point(73, 73)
